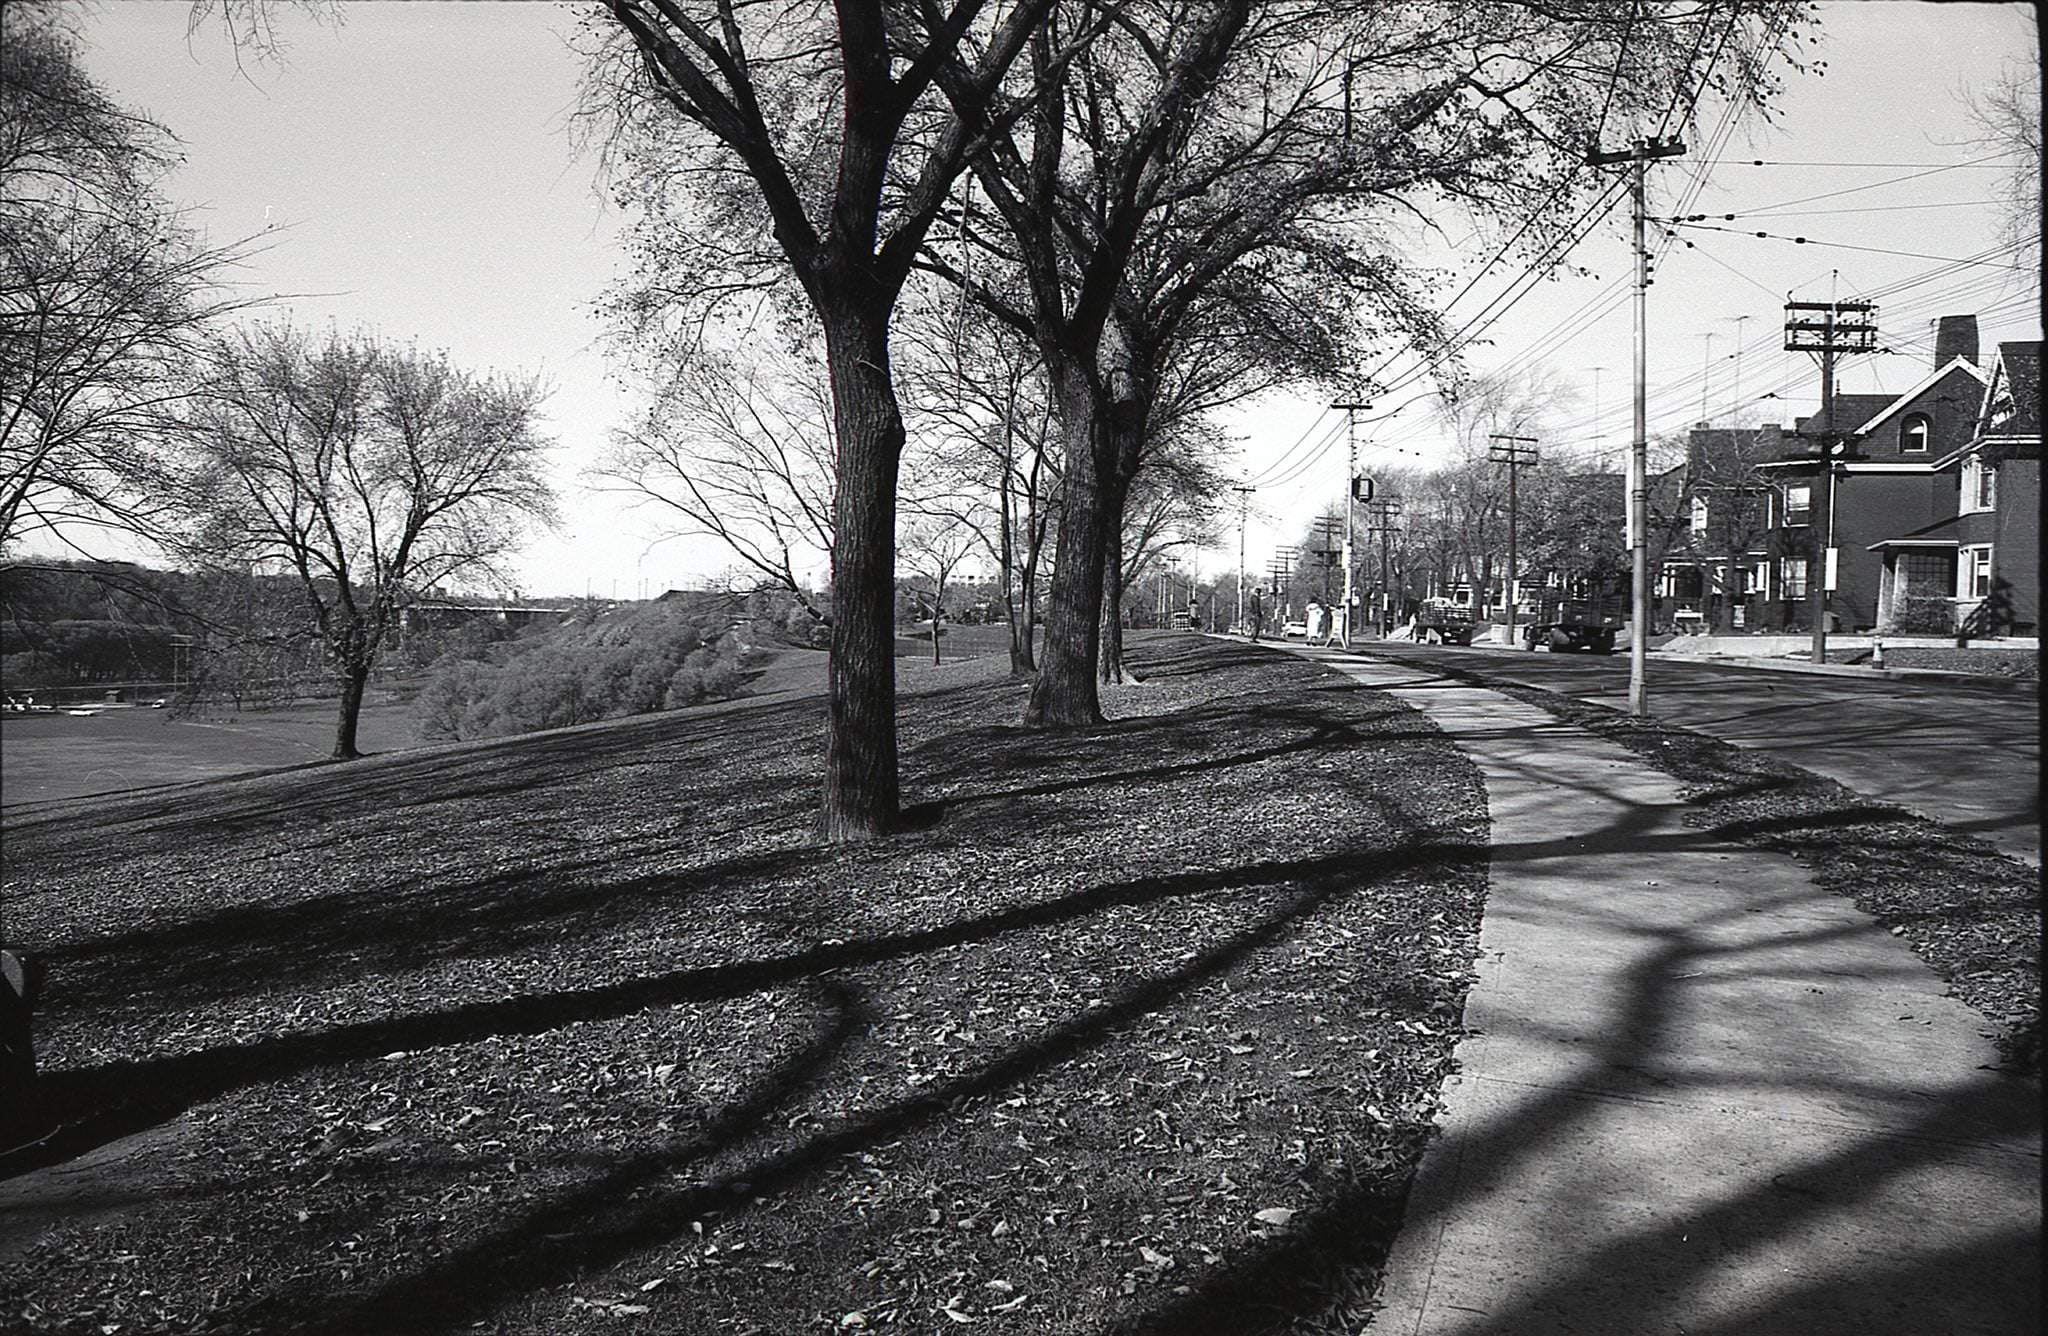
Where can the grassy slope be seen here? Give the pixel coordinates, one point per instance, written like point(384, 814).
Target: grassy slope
point(578, 1032)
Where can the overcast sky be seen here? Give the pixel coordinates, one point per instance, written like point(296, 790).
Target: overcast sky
point(415, 171)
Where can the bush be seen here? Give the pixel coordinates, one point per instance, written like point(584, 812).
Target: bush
point(632, 661)
point(1926, 616)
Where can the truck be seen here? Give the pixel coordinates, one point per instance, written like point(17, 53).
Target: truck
point(1443, 621)
point(1578, 617)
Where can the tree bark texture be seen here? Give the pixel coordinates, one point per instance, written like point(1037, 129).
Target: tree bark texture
point(1065, 695)
point(1111, 652)
point(355, 677)
point(860, 797)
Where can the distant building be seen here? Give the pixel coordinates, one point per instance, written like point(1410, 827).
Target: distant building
point(1711, 519)
point(1892, 477)
point(1975, 566)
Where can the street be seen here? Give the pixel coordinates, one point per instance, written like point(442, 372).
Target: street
point(1962, 754)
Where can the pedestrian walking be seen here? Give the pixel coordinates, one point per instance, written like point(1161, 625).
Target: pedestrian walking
point(1315, 621)
point(1258, 616)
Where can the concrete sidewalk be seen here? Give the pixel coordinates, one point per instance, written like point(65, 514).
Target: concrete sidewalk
point(1699, 1095)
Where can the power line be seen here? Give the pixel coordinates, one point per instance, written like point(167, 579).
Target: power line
point(1891, 181)
point(1942, 166)
point(1833, 245)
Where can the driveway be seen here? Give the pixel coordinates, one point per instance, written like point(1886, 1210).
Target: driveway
point(1966, 755)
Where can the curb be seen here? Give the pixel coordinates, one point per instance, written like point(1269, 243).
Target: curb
point(1996, 682)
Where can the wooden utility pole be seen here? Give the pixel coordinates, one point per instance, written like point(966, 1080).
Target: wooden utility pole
point(1243, 503)
point(1644, 152)
point(1382, 514)
point(1828, 330)
point(1351, 481)
point(1518, 453)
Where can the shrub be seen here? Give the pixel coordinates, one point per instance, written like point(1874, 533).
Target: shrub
point(631, 661)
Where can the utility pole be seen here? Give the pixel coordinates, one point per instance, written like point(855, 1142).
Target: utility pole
point(1739, 321)
point(1280, 571)
point(1351, 481)
point(1326, 529)
point(1243, 502)
point(1706, 373)
point(1598, 435)
point(1383, 514)
point(1518, 453)
point(1644, 152)
point(1828, 330)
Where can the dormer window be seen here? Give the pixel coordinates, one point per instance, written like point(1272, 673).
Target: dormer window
point(1913, 434)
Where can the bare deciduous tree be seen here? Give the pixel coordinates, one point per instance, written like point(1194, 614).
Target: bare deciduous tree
point(365, 471)
point(106, 297)
point(824, 129)
point(742, 454)
point(979, 407)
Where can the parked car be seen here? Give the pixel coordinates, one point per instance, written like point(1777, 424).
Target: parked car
point(1294, 629)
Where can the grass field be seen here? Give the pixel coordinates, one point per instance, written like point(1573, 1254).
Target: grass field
point(45, 757)
point(52, 757)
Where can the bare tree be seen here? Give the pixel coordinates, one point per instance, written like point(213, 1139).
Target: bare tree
point(742, 454)
point(1208, 154)
point(933, 548)
point(822, 128)
point(978, 404)
point(2008, 117)
point(365, 471)
point(106, 297)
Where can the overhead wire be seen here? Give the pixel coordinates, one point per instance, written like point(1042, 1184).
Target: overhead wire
point(1832, 245)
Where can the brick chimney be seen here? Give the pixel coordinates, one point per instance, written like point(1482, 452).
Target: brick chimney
point(1955, 336)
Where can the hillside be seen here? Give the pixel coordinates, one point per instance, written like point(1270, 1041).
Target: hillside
point(1141, 1029)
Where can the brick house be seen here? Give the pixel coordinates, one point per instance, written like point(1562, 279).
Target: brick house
point(1709, 519)
point(1976, 567)
point(1893, 479)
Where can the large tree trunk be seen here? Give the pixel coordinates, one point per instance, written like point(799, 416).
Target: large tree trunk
point(1112, 649)
point(860, 796)
point(355, 676)
point(1065, 696)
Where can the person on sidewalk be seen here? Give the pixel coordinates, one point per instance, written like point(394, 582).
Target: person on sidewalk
point(1315, 622)
point(1257, 616)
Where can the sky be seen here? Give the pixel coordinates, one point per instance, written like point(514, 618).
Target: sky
point(414, 170)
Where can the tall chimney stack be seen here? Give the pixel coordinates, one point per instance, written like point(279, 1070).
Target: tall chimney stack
point(1956, 336)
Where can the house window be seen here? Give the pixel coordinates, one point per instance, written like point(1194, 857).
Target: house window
point(1792, 578)
point(1913, 433)
point(1752, 580)
point(1699, 517)
point(1980, 484)
point(1973, 572)
point(1798, 503)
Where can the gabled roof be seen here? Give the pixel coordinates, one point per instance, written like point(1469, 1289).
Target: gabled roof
point(1852, 411)
point(2021, 365)
point(2012, 401)
point(1900, 404)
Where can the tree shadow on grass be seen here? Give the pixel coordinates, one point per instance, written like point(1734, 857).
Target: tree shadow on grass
point(416, 916)
point(589, 1227)
point(98, 1104)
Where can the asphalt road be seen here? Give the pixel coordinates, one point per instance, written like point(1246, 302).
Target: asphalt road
point(1966, 755)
